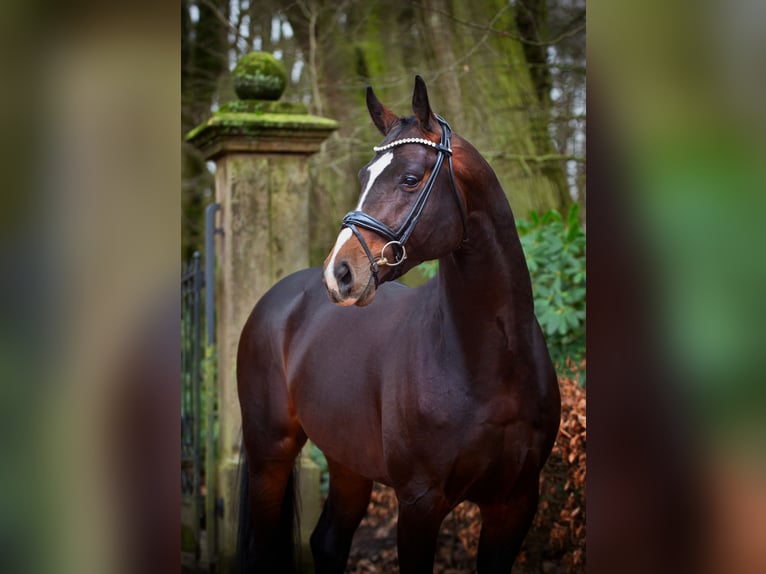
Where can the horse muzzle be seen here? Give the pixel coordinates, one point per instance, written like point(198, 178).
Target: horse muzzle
point(348, 286)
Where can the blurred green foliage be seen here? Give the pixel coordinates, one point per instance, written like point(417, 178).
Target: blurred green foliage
point(428, 268)
point(319, 459)
point(554, 248)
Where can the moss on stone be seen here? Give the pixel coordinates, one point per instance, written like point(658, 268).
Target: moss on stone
point(263, 107)
point(232, 123)
point(259, 76)
point(275, 120)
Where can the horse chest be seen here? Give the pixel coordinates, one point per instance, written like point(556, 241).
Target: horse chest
point(469, 439)
point(494, 460)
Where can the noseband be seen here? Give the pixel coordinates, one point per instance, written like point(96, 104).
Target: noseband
point(397, 239)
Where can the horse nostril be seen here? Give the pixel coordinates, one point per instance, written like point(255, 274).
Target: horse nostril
point(344, 277)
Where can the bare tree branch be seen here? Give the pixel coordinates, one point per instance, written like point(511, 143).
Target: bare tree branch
point(504, 33)
point(311, 12)
point(220, 16)
point(534, 158)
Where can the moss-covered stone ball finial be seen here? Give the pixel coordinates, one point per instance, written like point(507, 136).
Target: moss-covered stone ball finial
point(259, 76)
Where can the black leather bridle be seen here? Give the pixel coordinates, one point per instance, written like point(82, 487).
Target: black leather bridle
point(397, 239)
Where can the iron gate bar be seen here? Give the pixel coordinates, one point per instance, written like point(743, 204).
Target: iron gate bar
point(196, 381)
point(191, 287)
point(210, 231)
point(211, 390)
point(199, 374)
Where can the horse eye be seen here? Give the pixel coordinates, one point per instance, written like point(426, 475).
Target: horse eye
point(410, 180)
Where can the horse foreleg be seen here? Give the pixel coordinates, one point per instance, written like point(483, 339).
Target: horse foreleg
point(503, 529)
point(417, 531)
point(343, 510)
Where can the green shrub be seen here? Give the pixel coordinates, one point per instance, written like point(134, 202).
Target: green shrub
point(555, 252)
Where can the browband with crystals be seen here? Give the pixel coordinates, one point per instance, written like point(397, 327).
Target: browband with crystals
point(410, 140)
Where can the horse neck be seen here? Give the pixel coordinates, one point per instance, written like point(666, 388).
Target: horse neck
point(486, 287)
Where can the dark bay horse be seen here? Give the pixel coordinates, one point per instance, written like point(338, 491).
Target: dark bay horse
point(445, 392)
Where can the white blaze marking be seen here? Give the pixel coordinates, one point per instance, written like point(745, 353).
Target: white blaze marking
point(329, 272)
point(375, 170)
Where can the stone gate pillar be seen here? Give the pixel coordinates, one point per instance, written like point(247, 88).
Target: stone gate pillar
point(261, 148)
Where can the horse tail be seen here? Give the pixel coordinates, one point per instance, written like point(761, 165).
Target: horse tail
point(245, 558)
point(287, 536)
point(290, 522)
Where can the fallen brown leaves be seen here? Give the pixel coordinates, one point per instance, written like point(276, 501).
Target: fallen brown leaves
point(555, 543)
point(558, 532)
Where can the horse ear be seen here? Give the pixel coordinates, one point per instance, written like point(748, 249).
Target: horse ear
point(383, 118)
point(420, 105)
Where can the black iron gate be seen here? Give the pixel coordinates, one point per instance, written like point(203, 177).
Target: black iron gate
point(192, 283)
point(199, 420)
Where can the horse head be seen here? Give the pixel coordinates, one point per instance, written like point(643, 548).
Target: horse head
point(410, 209)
